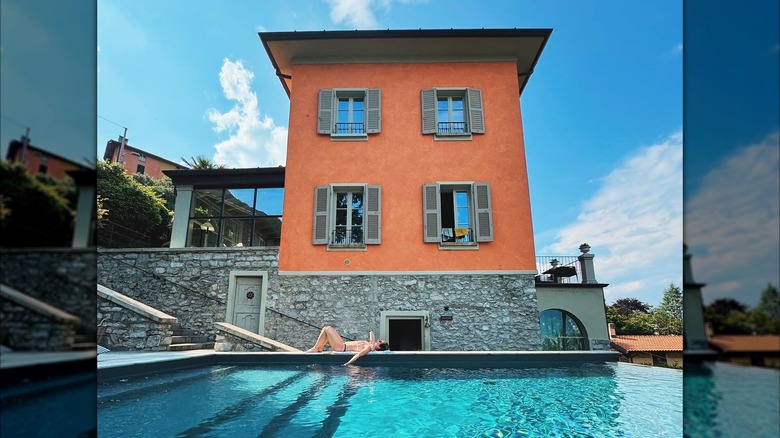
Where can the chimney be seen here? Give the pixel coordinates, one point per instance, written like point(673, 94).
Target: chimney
point(687, 271)
point(611, 327)
point(586, 265)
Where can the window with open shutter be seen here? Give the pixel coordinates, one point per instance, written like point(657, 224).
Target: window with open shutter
point(483, 212)
point(373, 235)
point(325, 112)
point(452, 112)
point(321, 203)
point(428, 111)
point(373, 111)
point(476, 118)
point(349, 113)
point(431, 219)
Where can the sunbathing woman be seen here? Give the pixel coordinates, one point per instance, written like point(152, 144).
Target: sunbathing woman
point(329, 335)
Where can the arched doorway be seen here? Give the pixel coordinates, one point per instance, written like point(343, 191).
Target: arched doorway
point(562, 331)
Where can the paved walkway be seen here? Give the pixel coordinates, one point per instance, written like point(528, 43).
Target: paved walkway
point(16, 359)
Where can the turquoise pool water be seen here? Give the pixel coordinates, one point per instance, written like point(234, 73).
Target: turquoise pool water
point(725, 400)
point(605, 400)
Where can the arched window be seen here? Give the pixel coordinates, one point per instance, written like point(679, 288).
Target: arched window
point(562, 331)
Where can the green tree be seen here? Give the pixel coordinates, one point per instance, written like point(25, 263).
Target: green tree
point(728, 316)
point(630, 316)
point(35, 214)
point(162, 187)
point(137, 217)
point(765, 317)
point(201, 162)
point(667, 319)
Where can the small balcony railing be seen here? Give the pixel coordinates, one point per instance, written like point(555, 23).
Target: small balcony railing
point(558, 269)
point(350, 128)
point(452, 128)
point(457, 235)
point(345, 237)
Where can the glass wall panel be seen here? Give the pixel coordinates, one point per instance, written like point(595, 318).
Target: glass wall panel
point(239, 202)
point(206, 202)
point(268, 231)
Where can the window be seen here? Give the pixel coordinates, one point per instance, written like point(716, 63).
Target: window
point(349, 113)
point(457, 213)
point(42, 169)
point(562, 331)
point(235, 217)
point(142, 158)
point(347, 215)
point(140, 169)
point(452, 112)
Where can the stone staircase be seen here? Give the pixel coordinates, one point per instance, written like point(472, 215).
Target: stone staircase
point(83, 343)
point(186, 339)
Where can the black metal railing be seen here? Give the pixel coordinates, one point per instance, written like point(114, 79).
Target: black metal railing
point(451, 128)
point(114, 235)
point(558, 269)
point(350, 128)
point(343, 236)
point(300, 321)
point(457, 235)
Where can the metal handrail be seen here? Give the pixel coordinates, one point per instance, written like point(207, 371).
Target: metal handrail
point(350, 128)
point(452, 128)
point(302, 321)
point(345, 237)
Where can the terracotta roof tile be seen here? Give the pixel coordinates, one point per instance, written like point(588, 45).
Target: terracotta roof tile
point(648, 342)
point(734, 343)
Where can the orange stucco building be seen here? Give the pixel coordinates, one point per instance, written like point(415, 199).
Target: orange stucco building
point(485, 70)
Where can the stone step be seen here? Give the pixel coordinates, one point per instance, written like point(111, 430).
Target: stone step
point(83, 346)
point(184, 332)
point(191, 346)
point(189, 339)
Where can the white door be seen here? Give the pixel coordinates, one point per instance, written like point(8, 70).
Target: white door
point(248, 303)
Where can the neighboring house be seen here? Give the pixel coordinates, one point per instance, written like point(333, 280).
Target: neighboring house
point(39, 161)
point(405, 206)
point(136, 160)
point(656, 350)
point(758, 350)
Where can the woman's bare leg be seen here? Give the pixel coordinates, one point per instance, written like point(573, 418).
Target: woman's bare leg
point(328, 335)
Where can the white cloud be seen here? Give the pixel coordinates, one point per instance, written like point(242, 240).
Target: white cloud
point(634, 223)
point(356, 13)
point(731, 223)
point(254, 141)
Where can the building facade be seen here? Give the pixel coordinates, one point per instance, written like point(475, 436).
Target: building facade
point(136, 160)
point(406, 189)
point(39, 161)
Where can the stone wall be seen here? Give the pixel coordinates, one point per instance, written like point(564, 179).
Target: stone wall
point(490, 312)
point(23, 329)
point(122, 329)
point(61, 277)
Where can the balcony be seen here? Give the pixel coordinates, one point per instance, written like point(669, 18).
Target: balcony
point(350, 129)
point(452, 128)
point(558, 269)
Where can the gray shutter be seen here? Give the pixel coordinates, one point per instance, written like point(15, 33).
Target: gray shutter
point(321, 203)
point(476, 116)
point(484, 212)
point(428, 98)
point(373, 215)
point(373, 111)
point(325, 112)
point(431, 214)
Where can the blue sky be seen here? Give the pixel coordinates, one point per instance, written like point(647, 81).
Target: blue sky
point(603, 115)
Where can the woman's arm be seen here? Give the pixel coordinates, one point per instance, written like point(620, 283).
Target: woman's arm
point(371, 338)
point(360, 354)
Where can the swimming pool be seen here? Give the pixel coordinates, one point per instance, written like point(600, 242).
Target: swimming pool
point(723, 400)
point(610, 399)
